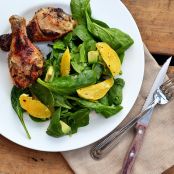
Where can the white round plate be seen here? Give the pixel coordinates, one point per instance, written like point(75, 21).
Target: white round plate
point(115, 14)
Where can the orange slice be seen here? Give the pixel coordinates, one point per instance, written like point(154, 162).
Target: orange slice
point(34, 107)
point(97, 91)
point(65, 63)
point(110, 57)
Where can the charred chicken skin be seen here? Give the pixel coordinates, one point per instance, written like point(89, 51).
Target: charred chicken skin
point(47, 24)
point(25, 60)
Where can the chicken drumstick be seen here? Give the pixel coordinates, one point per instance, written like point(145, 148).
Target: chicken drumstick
point(25, 60)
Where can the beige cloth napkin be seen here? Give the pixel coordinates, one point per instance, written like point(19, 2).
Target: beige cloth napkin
point(157, 151)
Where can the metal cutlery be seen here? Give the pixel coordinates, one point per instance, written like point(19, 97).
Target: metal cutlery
point(105, 145)
point(161, 96)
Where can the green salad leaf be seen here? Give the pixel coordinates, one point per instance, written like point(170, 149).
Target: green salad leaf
point(67, 39)
point(101, 23)
point(78, 8)
point(43, 94)
point(69, 84)
point(59, 45)
point(55, 128)
point(90, 45)
point(106, 111)
point(115, 94)
point(82, 51)
point(61, 101)
point(82, 32)
point(98, 68)
point(117, 39)
point(121, 56)
point(15, 94)
point(77, 119)
point(105, 100)
point(78, 67)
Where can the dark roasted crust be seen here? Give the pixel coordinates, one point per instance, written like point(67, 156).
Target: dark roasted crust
point(30, 30)
point(23, 80)
point(35, 34)
point(5, 42)
point(33, 31)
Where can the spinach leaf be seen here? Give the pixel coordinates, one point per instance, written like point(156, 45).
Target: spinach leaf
point(55, 128)
point(102, 33)
point(101, 23)
point(104, 100)
point(73, 47)
point(61, 101)
point(117, 39)
point(98, 68)
point(115, 93)
point(121, 56)
point(83, 57)
point(77, 119)
point(56, 65)
point(106, 111)
point(75, 57)
point(82, 32)
point(55, 53)
point(90, 45)
point(67, 39)
point(78, 67)
point(15, 94)
point(59, 45)
point(78, 8)
point(125, 40)
point(69, 84)
point(43, 94)
point(75, 62)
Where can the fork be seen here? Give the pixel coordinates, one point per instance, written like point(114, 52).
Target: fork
point(161, 96)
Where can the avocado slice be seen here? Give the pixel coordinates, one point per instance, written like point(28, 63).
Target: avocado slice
point(65, 128)
point(50, 74)
point(93, 57)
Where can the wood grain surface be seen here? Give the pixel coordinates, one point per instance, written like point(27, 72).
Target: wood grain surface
point(155, 19)
point(15, 159)
point(156, 23)
point(171, 73)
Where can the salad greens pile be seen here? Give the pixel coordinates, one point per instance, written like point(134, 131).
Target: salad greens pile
point(58, 93)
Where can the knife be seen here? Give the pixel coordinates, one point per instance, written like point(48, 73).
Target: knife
point(143, 122)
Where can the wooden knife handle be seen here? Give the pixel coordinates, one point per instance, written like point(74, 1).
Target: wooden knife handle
point(133, 150)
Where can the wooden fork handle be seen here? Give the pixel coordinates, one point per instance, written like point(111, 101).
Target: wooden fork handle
point(133, 150)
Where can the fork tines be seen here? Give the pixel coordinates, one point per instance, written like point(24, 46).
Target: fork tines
point(168, 88)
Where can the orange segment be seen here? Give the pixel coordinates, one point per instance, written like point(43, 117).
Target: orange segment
point(110, 57)
point(97, 91)
point(34, 107)
point(65, 63)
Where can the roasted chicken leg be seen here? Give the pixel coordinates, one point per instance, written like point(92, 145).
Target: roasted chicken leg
point(25, 60)
point(47, 24)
